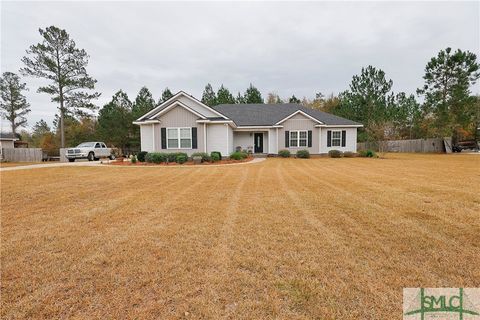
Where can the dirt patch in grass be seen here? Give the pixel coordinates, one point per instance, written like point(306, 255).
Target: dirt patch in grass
point(285, 238)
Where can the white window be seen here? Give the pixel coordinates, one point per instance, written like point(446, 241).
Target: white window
point(302, 138)
point(298, 138)
point(179, 138)
point(293, 138)
point(336, 138)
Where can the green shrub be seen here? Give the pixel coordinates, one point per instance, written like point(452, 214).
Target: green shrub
point(156, 157)
point(284, 153)
point(181, 155)
point(141, 156)
point(134, 159)
point(304, 154)
point(215, 156)
point(367, 154)
point(171, 157)
point(218, 155)
point(205, 156)
point(348, 154)
point(335, 153)
point(238, 155)
point(181, 158)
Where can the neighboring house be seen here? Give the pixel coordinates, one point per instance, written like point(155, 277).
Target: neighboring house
point(7, 140)
point(183, 123)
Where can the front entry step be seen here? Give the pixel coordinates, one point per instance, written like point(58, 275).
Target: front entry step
point(260, 155)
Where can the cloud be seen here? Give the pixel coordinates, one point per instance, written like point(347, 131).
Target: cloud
point(288, 47)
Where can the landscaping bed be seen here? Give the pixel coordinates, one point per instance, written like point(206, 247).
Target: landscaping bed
point(127, 162)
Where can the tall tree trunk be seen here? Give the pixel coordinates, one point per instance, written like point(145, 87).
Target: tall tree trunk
point(62, 110)
point(62, 115)
point(14, 128)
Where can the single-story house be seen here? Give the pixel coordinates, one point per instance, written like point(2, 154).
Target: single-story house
point(185, 124)
point(7, 140)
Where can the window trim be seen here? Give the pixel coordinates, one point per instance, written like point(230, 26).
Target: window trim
point(179, 138)
point(298, 139)
point(339, 139)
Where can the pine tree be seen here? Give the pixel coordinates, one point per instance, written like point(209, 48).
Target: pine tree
point(144, 103)
point(115, 121)
point(14, 106)
point(41, 127)
point(58, 59)
point(448, 78)
point(252, 95)
point(209, 97)
point(224, 96)
point(239, 99)
point(294, 99)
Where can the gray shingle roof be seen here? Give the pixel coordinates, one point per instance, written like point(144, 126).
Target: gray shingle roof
point(269, 114)
point(7, 136)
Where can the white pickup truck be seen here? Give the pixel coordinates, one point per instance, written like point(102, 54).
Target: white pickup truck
point(89, 150)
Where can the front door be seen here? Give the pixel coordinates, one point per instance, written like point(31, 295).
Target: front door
point(258, 143)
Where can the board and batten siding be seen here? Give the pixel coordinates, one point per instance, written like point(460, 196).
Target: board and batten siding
point(299, 122)
point(175, 118)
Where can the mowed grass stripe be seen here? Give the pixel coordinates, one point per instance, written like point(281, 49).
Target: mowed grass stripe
point(297, 239)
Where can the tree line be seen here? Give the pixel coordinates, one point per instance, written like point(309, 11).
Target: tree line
point(447, 107)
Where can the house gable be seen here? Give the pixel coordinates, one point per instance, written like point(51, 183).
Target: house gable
point(187, 101)
point(178, 116)
point(299, 115)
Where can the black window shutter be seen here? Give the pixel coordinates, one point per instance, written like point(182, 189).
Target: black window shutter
point(309, 138)
point(164, 137)
point(194, 137)
point(287, 139)
point(344, 138)
point(329, 138)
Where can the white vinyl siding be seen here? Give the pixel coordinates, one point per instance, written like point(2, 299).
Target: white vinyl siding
point(146, 137)
point(218, 138)
point(179, 138)
point(350, 140)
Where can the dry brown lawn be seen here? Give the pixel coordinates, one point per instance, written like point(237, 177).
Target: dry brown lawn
point(284, 238)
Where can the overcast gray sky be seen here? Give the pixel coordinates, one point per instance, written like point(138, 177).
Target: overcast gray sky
point(290, 48)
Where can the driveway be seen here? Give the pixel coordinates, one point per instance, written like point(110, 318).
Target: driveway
point(85, 163)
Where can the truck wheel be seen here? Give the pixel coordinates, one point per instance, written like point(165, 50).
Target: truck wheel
point(91, 156)
point(71, 160)
point(112, 157)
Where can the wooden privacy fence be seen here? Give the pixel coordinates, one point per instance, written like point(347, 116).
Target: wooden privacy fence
point(436, 145)
point(22, 154)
